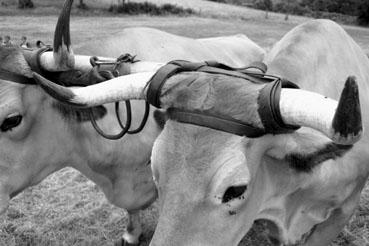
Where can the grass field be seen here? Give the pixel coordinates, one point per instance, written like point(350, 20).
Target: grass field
point(68, 209)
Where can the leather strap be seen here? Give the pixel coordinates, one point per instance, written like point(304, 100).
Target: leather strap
point(258, 65)
point(269, 110)
point(34, 59)
point(221, 123)
point(157, 82)
point(213, 67)
point(269, 113)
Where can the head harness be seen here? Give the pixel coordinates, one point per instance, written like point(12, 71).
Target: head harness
point(268, 99)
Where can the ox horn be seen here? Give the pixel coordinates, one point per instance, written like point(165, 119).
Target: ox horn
point(62, 57)
point(118, 89)
point(63, 53)
point(340, 121)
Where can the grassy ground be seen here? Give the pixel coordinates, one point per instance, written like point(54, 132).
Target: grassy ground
point(68, 209)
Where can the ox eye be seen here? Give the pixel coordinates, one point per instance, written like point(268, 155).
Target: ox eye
point(11, 122)
point(234, 192)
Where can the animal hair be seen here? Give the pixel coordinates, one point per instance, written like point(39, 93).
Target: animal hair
point(80, 114)
point(302, 162)
point(77, 78)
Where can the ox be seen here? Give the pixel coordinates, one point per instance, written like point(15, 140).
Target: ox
point(213, 185)
point(41, 136)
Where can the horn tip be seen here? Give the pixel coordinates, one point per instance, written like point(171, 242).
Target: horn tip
point(62, 41)
point(347, 139)
point(347, 123)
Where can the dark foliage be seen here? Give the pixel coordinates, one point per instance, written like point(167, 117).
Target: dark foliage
point(82, 5)
point(363, 13)
point(347, 7)
point(291, 7)
point(344, 11)
point(218, 1)
point(263, 4)
point(134, 8)
point(25, 4)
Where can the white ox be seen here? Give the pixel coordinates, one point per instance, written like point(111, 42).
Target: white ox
point(213, 185)
point(39, 136)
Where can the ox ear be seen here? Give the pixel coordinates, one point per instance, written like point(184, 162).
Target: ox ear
point(160, 117)
point(12, 60)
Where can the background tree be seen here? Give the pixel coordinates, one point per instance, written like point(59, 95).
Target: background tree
point(23, 4)
point(290, 5)
point(121, 2)
point(266, 5)
point(82, 5)
point(363, 13)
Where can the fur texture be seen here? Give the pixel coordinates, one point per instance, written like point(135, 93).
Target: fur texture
point(303, 162)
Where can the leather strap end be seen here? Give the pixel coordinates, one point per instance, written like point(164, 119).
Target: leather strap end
point(157, 82)
point(269, 110)
point(34, 59)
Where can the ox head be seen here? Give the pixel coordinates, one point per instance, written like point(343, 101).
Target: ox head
point(28, 130)
point(40, 136)
point(213, 185)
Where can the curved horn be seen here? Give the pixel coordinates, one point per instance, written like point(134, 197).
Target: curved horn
point(63, 53)
point(62, 57)
point(118, 89)
point(340, 121)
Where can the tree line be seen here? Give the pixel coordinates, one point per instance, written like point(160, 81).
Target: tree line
point(27, 4)
point(312, 8)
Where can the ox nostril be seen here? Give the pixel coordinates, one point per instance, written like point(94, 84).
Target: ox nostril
point(233, 192)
